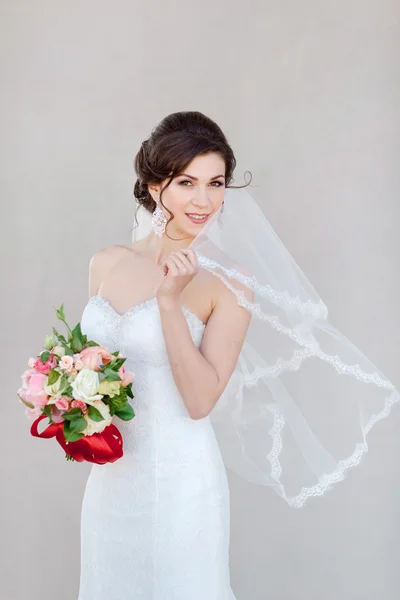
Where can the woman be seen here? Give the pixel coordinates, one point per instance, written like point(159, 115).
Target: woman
point(236, 365)
point(156, 523)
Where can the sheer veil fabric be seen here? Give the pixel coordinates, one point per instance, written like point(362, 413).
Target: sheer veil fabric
point(298, 407)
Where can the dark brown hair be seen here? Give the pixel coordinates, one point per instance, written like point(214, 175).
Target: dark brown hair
point(172, 145)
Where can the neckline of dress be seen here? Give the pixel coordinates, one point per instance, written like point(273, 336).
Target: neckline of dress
point(136, 307)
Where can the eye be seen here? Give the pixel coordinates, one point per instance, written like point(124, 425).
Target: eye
point(213, 183)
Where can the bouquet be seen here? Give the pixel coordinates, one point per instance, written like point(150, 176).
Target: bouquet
point(79, 386)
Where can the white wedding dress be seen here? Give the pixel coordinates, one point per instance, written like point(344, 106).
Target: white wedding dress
point(155, 524)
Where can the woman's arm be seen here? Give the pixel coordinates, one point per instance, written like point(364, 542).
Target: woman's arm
point(202, 375)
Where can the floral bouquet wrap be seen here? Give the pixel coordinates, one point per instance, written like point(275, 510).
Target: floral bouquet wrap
point(79, 386)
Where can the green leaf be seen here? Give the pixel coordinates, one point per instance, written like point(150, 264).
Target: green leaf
point(76, 342)
point(74, 413)
point(126, 413)
point(70, 433)
point(45, 356)
point(116, 364)
point(60, 313)
point(53, 376)
point(77, 425)
point(111, 376)
point(129, 390)
point(59, 335)
point(77, 330)
point(28, 404)
point(77, 338)
point(95, 414)
point(67, 349)
point(73, 436)
point(47, 410)
point(91, 343)
point(64, 381)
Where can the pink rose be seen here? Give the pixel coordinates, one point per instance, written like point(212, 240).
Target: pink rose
point(127, 379)
point(78, 362)
point(94, 356)
point(62, 403)
point(32, 389)
point(52, 360)
point(66, 363)
point(126, 376)
point(46, 367)
point(33, 413)
point(57, 414)
point(26, 375)
point(79, 404)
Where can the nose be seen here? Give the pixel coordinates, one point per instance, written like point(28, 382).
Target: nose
point(200, 199)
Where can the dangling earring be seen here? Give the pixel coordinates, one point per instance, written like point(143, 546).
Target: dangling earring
point(159, 221)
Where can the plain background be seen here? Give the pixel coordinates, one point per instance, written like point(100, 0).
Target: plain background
point(308, 94)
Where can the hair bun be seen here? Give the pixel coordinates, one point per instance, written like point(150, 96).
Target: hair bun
point(143, 169)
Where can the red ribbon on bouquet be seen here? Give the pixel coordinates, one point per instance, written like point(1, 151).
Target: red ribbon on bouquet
point(99, 448)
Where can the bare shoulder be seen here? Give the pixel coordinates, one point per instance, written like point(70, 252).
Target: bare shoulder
point(105, 258)
point(222, 290)
point(235, 277)
point(230, 301)
point(234, 285)
point(102, 262)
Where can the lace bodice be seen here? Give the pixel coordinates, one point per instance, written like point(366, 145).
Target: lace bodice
point(138, 334)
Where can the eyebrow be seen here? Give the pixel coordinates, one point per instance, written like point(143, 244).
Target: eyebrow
point(196, 179)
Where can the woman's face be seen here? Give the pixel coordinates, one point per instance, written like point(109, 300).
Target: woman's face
point(199, 191)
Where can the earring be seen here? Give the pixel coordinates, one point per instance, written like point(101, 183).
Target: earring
point(159, 221)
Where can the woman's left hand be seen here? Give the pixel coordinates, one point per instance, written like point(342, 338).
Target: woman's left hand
point(179, 269)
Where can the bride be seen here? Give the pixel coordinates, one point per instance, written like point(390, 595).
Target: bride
point(231, 348)
point(155, 524)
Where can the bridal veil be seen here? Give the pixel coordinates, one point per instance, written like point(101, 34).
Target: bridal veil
point(302, 399)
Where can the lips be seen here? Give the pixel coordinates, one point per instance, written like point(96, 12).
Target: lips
point(198, 220)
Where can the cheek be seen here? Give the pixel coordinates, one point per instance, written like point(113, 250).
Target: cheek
point(178, 201)
point(218, 198)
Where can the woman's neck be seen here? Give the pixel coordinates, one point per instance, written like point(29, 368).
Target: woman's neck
point(158, 249)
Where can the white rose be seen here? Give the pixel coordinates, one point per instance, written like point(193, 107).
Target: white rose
point(98, 426)
point(86, 385)
point(54, 390)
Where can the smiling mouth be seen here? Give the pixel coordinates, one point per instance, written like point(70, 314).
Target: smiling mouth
point(198, 218)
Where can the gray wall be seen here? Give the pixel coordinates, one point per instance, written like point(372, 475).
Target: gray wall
point(308, 94)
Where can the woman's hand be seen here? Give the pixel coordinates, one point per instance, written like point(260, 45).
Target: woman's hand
point(179, 269)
